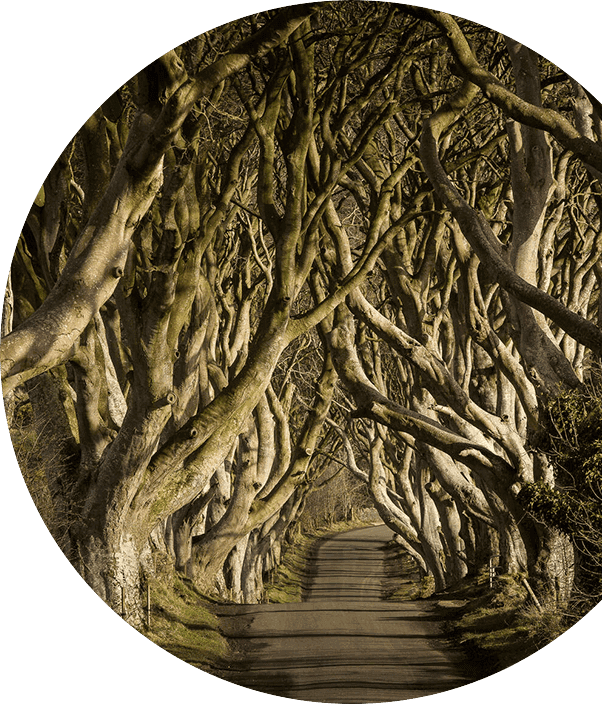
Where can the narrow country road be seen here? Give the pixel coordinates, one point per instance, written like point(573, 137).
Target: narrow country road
point(343, 643)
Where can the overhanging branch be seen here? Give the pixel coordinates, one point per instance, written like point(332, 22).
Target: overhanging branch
point(477, 231)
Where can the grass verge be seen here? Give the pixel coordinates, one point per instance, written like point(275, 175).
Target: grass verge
point(402, 577)
point(499, 626)
point(182, 619)
point(182, 624)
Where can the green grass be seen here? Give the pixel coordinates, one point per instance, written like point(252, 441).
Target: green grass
point(497, 627)
point(182, 624)
point(402, 578)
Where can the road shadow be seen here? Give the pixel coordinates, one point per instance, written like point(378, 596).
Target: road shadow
point(340, 649)
point(246, 665)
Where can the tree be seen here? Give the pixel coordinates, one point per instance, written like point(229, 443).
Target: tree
point(119, 497)
point(571, 504)
point(310, 227)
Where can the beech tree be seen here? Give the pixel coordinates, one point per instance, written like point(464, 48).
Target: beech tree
point(358, 231)
point(451, 279)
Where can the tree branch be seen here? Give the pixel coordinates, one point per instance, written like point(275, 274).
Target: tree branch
point(97, 260)
point(521, 110)
point(477, 231)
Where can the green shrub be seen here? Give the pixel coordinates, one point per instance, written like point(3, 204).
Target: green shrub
point(573, 443)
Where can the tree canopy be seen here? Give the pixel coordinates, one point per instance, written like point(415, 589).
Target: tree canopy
point(339, 233)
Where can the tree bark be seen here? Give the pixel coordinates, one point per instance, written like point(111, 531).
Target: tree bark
point(97, 260)
point(522, 110)
point(478, 233)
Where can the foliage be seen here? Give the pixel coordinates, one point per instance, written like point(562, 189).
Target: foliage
point(46, 459)
point(573, 504)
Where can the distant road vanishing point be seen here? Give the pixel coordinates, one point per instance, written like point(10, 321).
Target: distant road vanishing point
point(343, 643)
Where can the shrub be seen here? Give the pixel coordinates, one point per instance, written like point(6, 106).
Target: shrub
point(573, 442)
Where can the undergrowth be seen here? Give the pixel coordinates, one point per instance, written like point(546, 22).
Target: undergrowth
point(500, 626)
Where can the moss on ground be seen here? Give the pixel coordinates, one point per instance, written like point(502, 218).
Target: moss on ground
point(402, 576)
point(182, 624)
point(496, 627)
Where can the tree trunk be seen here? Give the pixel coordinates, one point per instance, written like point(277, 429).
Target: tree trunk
point(184, 523)
point(252, 572)
point(111, 564)
point(455, 554)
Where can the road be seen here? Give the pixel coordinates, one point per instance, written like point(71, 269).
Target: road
point(343, 643)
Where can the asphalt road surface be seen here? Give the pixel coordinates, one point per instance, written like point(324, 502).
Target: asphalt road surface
point(343, 643)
